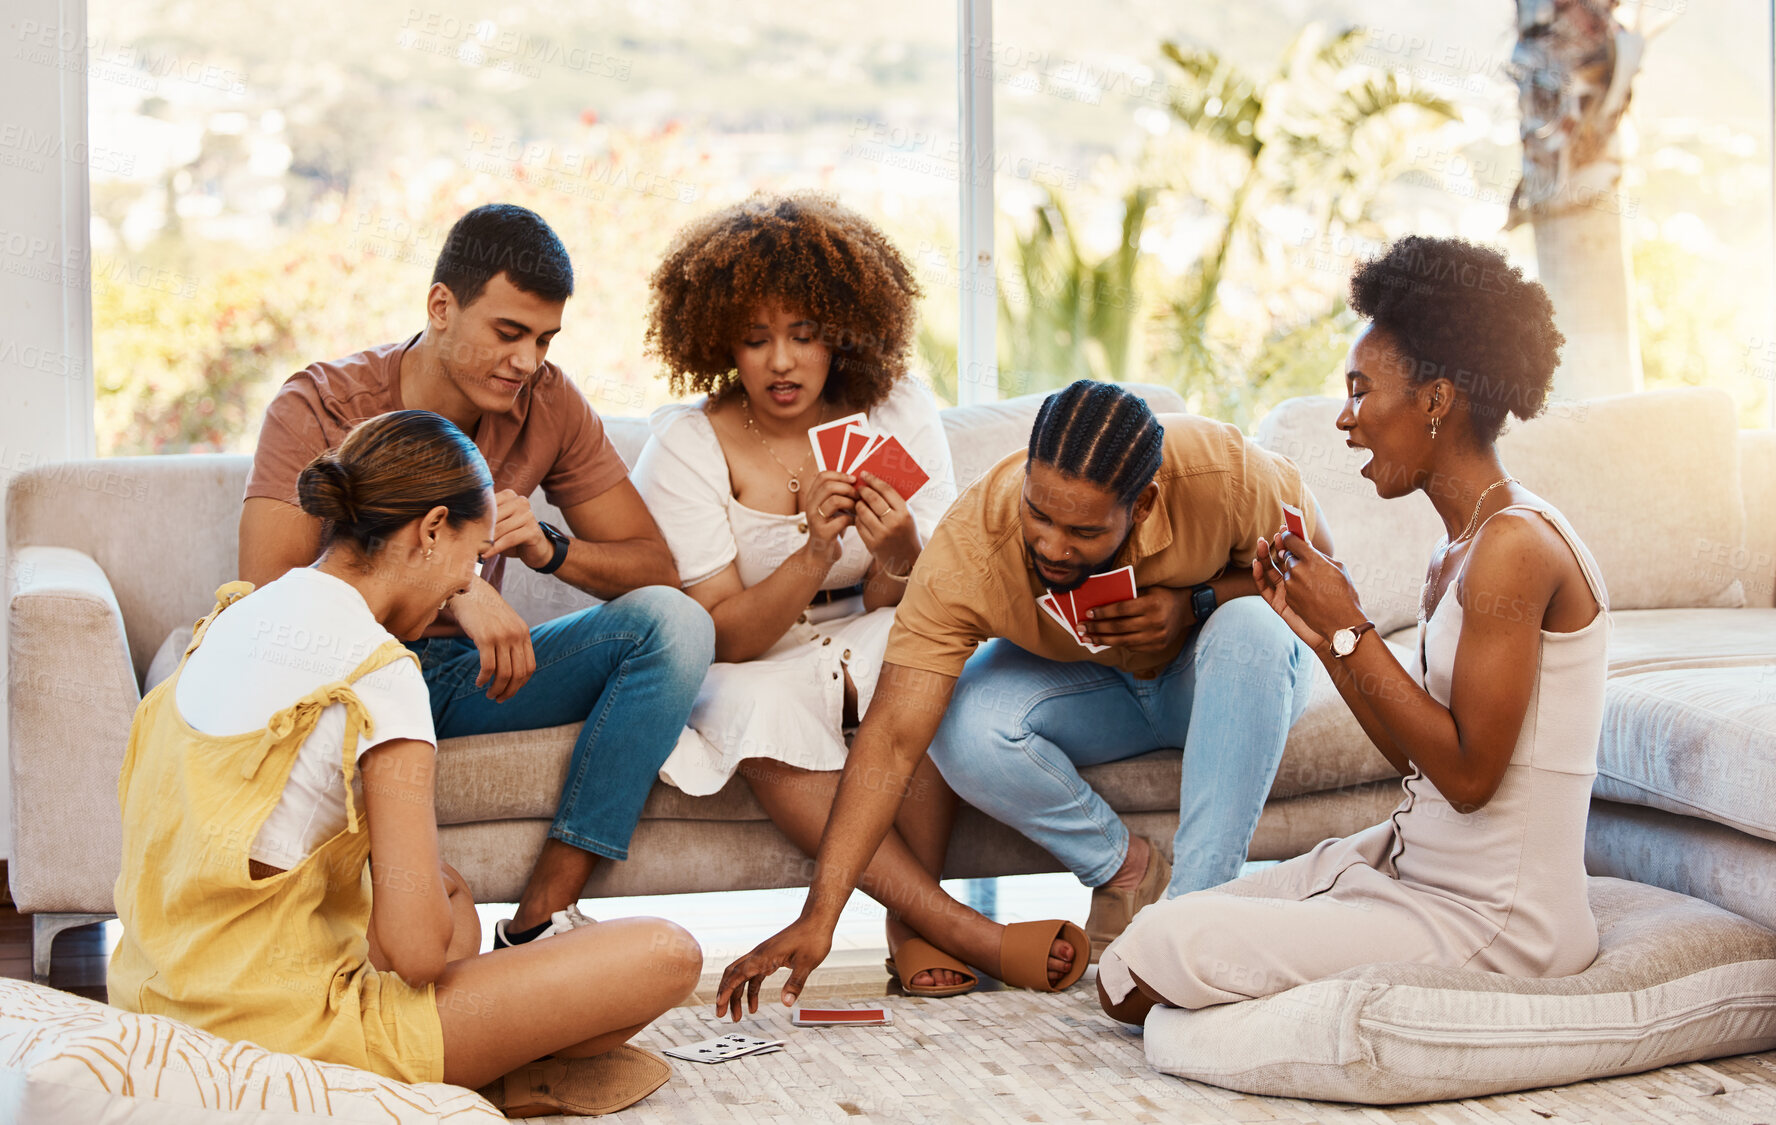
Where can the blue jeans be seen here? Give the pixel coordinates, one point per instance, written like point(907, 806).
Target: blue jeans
point(626, 671)
point(1019, 727)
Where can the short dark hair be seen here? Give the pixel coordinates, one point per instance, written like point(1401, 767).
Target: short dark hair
point(389, 471)
point(503, 238)
point(1458, 311)
point(1100, 433)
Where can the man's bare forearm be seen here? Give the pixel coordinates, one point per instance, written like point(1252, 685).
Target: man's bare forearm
point(609, 569)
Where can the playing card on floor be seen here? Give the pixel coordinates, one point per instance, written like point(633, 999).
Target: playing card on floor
point(724, 1049)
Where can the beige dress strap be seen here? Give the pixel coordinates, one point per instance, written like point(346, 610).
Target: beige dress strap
point(1588, 565)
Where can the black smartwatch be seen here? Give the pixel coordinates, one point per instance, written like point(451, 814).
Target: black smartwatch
point(1202, 601)
point(559, 542)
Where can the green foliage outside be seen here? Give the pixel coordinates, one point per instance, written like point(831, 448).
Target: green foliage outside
point(1257, 316)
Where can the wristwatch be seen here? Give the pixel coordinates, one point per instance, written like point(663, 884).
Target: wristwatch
point(1344, 641)
point(559, 542)
point(1202, 601)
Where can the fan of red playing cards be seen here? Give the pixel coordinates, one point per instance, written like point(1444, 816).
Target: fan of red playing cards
point(851, 445)
point(1099, 590)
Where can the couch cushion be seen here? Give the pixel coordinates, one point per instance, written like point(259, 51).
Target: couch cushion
point(1685, 854)
point(1675, 980)
point(628, 432)
point(1650, 481)
point(1649, 640)
point(1695, 741)
point(64, 1058)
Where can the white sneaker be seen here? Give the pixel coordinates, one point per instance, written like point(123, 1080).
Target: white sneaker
point(560, 922)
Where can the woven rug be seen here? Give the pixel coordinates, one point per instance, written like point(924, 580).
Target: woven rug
point(1029, 1057)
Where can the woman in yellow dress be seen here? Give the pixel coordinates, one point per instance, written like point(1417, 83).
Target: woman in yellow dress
point(281, 873)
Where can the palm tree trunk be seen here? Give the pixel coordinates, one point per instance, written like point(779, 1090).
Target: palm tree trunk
point(1582, 255)
point(1574, 65)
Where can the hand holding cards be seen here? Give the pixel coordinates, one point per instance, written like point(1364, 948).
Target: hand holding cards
point(851, 445)
point(1099, 590)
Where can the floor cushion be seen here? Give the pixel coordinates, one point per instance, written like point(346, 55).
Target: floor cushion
point(67, 1058)
point(1676, 979)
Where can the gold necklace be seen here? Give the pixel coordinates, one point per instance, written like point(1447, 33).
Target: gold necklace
point(795, 480)
point(1436, 582)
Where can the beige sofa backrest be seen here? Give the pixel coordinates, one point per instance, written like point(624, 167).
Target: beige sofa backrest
point(1757, 558)
point(1657, 484)
point(165, 530)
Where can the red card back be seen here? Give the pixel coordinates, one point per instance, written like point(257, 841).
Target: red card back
point(896, 466)
point(1103, 589)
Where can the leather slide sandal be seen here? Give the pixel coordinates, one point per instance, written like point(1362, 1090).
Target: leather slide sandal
point(915, 956)
point(579, 1087)
point(1023, 954)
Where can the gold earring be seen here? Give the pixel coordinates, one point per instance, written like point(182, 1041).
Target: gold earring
point(1434, 422)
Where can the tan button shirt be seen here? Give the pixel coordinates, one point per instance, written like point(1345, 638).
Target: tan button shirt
point(1218, 495)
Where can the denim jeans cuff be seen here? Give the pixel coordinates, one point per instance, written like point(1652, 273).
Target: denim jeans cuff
point(587, 844)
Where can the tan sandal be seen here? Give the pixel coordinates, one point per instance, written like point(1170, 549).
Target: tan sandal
point(579, 1087)
point(915, 956)
point(1023, 954)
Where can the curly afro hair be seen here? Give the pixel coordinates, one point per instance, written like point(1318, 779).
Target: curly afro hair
point(1458, 311)
point(801, 251)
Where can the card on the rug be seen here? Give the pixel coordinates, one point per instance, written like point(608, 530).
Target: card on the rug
point(828, 439)
point(1101, 590)
point(724, 1048)
point(1296, 523)
point(890, 461)
point(841, 1017)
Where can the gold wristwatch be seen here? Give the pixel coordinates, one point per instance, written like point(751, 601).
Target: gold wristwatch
point(1344, 641)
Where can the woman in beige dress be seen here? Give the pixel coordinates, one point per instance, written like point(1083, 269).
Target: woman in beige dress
point(1495, 724)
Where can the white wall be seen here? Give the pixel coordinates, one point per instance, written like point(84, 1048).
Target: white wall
point(46, 382)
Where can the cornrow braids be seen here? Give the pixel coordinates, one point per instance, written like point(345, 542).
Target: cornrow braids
point(1100, 433)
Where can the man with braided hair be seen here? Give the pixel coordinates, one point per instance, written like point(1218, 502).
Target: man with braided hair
point(1192, 660)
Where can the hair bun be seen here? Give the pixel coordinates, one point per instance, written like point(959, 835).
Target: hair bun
point(325, 490)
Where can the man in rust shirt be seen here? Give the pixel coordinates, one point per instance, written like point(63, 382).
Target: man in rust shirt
point(1010, 704)
point(627, 671)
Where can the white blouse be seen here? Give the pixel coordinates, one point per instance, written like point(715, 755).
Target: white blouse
point(683, 476)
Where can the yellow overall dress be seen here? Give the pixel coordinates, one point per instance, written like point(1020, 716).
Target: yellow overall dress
point(282, 962)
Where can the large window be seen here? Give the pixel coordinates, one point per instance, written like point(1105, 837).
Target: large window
point(288, 172)
point(1179, 192)
point(1183, 190)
